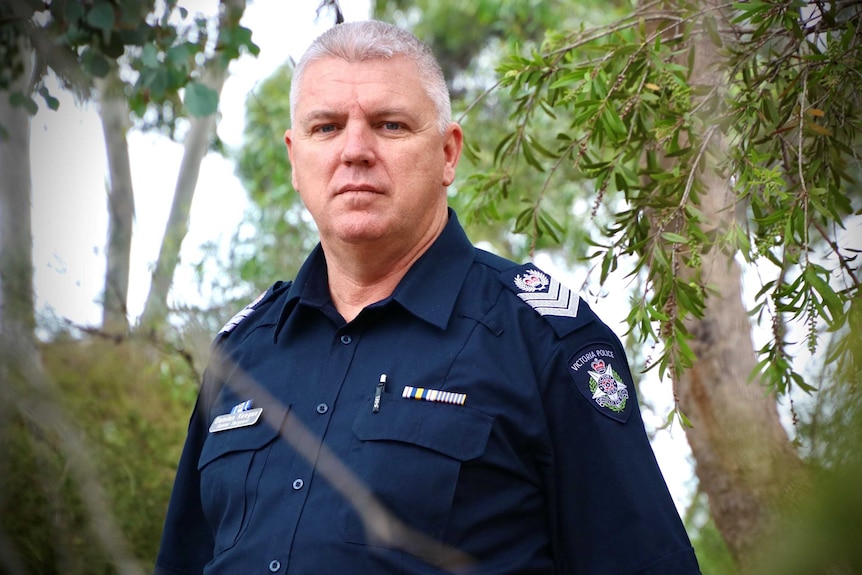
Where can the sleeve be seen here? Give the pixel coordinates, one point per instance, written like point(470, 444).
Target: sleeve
point(187, 541)
point(610, 507)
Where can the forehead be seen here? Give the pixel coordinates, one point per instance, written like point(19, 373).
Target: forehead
point(332, 82)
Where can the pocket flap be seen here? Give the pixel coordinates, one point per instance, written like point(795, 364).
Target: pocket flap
point(455, 431)
point(244, 438)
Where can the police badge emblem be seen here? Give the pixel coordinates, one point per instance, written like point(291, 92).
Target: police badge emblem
point(532, 280)
point(598, 381)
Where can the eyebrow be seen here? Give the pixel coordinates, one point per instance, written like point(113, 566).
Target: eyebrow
point(328, 115)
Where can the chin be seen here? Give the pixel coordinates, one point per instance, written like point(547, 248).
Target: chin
point(360, 232)
point(360, 227)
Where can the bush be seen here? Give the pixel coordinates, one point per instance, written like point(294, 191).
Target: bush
point(131, 406)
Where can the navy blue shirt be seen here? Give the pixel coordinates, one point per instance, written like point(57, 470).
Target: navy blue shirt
point(479, 420)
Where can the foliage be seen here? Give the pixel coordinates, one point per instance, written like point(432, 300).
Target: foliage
point(821, 529)
point(458, 32)
point(711, 551)
point(161, 45)
point(279, 233)
point(132, 407)
point(649, 121)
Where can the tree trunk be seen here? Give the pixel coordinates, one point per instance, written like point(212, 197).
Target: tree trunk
point(743, 457)
point(195, 148)
point(17, 310)
point(744, 460)
point(114, 113)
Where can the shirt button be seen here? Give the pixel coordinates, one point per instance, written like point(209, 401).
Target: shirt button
point(274, 565)
point(298, 483)
point(346, 339)
point(322, 408)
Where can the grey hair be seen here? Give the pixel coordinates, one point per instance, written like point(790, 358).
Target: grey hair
point(374, 40)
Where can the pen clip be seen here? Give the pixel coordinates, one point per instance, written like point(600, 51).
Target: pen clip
point(378, 393)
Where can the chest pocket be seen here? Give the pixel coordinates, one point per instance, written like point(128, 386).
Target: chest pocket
point(410, 455)
point(230, 465)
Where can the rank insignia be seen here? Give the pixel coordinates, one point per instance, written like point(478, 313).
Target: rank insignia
point(600, 382)
point(241, 315)
point(545, 294)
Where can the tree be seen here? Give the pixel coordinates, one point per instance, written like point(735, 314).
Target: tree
point(114, 113)
point(84, 44)
point(201, 128)
point(135, 57)
point(17, 316)
point(713, 134)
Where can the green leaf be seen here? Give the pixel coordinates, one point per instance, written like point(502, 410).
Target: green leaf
point(830, 298)
point(101, 16)
point(19, 99)
point(94, 63)
point(683, 418)
point(180, 54)
point(150, 56)
point(674, 238)
point(52, 102)
point(156, 81)
point(200, 100)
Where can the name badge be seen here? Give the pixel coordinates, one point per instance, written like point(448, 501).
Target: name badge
point(235, 420)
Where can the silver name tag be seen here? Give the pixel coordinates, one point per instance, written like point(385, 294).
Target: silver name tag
point(235, 420)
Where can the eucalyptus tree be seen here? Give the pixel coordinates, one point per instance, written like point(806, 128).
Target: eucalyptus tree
point(86, 45)
point(719, 138)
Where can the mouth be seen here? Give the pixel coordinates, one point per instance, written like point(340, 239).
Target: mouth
point(358, 188)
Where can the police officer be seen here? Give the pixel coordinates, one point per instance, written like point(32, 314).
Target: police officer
point(410, 403)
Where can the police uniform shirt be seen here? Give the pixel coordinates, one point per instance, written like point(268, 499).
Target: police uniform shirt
point(505, 437)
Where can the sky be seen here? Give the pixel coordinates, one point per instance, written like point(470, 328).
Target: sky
point(70, 209)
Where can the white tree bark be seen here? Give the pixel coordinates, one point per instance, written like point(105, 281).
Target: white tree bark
point(114, 114)
point(195, 148)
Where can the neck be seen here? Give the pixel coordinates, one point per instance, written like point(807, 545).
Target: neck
point(360, 275)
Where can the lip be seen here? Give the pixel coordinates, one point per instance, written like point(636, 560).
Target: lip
point(348, 188)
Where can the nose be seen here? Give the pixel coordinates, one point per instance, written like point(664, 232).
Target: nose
point(358, 144)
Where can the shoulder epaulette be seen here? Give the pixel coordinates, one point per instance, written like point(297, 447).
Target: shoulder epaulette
point(555, 302)
point(276, 288)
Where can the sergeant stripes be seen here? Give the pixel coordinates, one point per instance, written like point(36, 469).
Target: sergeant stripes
point(558, 300)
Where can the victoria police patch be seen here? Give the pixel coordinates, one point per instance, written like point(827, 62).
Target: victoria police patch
point(598, 373)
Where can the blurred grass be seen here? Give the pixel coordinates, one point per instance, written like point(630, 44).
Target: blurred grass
point(131, 403)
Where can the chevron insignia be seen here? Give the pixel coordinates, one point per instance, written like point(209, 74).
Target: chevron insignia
point(546, 295)
point(241, 315)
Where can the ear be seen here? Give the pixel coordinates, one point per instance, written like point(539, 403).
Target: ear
point(288, 141)
point(453, 142)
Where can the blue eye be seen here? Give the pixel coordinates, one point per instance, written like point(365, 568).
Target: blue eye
point(326, 129)
point(392, 125)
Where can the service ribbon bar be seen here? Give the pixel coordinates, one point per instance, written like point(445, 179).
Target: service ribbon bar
point(433, 395)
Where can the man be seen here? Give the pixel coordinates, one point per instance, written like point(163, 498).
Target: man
point(411, 404)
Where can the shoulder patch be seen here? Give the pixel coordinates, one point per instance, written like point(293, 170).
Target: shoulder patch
point(548, 297)
point(242, 314)
point(598, 372)
point(545, 294)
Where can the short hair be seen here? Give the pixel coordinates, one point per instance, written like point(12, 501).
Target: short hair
point(374, 40)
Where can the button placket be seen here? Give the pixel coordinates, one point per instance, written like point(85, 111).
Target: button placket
point(322, 402)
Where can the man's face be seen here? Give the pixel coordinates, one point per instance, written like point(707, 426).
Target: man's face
point(368, 158)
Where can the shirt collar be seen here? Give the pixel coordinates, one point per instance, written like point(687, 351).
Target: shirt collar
point(428, 290)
